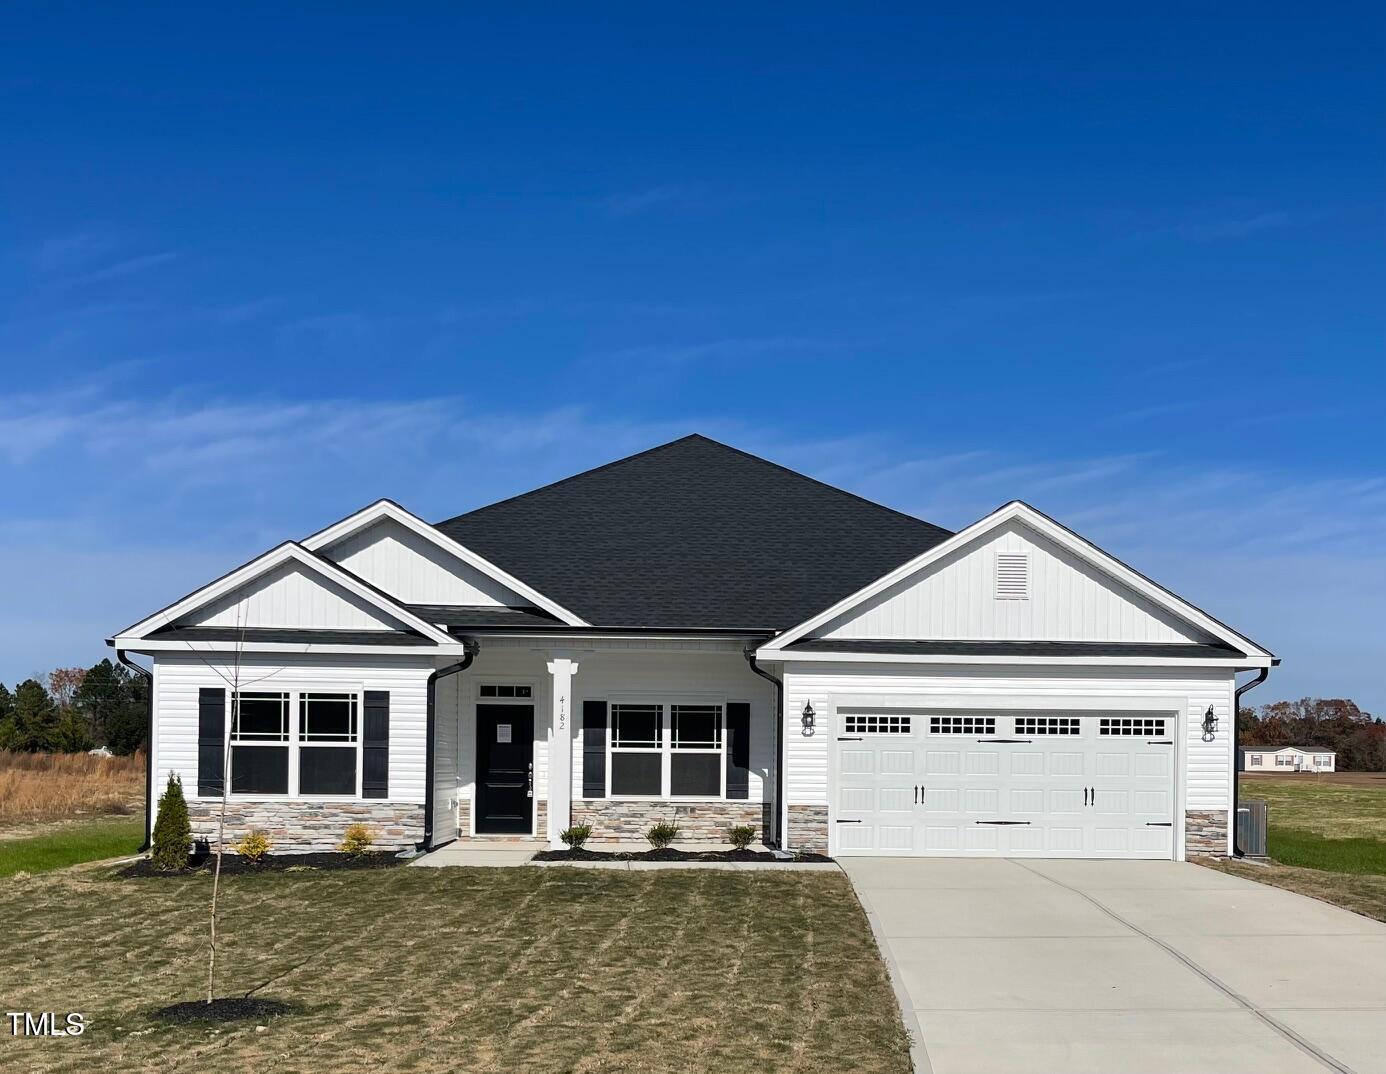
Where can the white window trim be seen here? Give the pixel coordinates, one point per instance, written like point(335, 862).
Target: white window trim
point(666, 747)
point(294, 744)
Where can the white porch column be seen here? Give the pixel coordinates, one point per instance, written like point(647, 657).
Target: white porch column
point(562, 669)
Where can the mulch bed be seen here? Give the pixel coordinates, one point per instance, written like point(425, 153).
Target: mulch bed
point(235, 865)
point(221, 1009)
point(672, 855)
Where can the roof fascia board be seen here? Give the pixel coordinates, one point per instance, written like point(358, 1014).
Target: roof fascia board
point(275, 557)
point(1061, 535)
point(154, 645)
point(1240, 663)
point(383, 509)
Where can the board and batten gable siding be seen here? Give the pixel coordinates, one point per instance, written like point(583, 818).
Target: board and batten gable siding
point(1207, 766)
point(414, 570)
point(955, 599)
point(290, 596)
point(179, 676)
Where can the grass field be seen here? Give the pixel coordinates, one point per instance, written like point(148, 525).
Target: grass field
point(1327, 837)
point(39, 787)
point(405, 970)
point(1339, 805)
point(68, 844)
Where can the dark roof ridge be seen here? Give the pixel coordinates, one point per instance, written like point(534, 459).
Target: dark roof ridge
point(717, 443)
point(572, 477)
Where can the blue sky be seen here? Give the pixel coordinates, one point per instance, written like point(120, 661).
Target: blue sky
point(258, 269)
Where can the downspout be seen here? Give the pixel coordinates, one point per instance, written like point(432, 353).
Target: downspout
point(750, 654)
point(471, 647)
point(1264, 674)
point(148, 748)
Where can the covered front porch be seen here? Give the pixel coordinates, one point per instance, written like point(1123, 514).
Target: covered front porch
point(616, 734)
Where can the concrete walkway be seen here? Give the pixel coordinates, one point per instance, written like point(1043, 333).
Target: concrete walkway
point(487, 853)
point(1117, 967)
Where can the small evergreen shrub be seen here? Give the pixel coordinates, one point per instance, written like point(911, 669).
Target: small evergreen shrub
point(742, 836)
point(254, 845)
point(172, 830)
point(576, 836)
point(662, 834)
point(359, 840)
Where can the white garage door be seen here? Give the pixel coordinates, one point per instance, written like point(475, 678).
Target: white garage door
point(1008, 785)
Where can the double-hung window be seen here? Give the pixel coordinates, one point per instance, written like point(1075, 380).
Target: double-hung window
point(695, 751)
point(637, 750)
point(306, 744)
point(328, 736)
point(667, 751)
point(260, 743)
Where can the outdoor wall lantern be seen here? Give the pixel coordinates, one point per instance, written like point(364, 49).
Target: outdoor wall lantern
point(808, 718)
point(1210, 724)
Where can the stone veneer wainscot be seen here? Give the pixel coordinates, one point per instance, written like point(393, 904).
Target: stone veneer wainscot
point(302, 827)
point(699, 822)
point(1205, 831)
point(808, 829)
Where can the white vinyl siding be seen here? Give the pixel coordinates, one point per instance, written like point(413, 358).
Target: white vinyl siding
point(414, 570)
point(1207, 765)
point(447, 715)
point(179, 676)
point(291, 596)
point(1066, 599)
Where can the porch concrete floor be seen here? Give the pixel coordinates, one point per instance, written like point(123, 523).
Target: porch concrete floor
point(500, 854)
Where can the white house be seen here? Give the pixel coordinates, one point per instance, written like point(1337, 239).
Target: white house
point(699, 634)
point(1287, 759)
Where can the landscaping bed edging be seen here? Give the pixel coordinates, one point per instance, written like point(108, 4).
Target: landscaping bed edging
point(236, 865)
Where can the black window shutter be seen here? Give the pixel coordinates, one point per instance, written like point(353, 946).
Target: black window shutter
point(211, 741)
point(738, 749)
point(375, 745)
point(594, 749)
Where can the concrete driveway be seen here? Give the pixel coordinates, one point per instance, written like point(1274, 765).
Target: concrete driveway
point(1123, 967)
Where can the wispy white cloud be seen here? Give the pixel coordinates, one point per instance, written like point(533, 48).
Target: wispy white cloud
point(1232, 227)
point(1225, 228)
point(170, 490)
point(635, 202)
point(734, 348)
point(63, 253)
point(128, 267)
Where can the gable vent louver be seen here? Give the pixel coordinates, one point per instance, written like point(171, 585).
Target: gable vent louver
point(1012, 576)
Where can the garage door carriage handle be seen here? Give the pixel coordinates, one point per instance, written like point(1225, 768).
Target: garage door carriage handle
point(1000, 822)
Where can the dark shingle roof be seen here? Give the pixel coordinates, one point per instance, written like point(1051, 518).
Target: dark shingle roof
point(693, 534)
point(1015, 648)
point(291, 635)
point(472, 615)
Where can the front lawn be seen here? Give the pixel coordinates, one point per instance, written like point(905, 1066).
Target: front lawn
point(458, 969)
point(1333, 822)
point(1327, 838)
point(68, 844)
point(1365, 894)
point(1334, 805)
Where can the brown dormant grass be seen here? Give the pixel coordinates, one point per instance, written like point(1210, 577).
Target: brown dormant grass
point(54, 786)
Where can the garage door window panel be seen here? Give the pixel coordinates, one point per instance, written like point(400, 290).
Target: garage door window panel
point(962, 725)
point(1131, 726)
point(875, 724)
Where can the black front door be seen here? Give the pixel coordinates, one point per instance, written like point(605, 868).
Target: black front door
point(505, 769)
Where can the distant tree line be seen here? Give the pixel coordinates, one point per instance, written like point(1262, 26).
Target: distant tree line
point(1323, 723)
point(76, 709)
